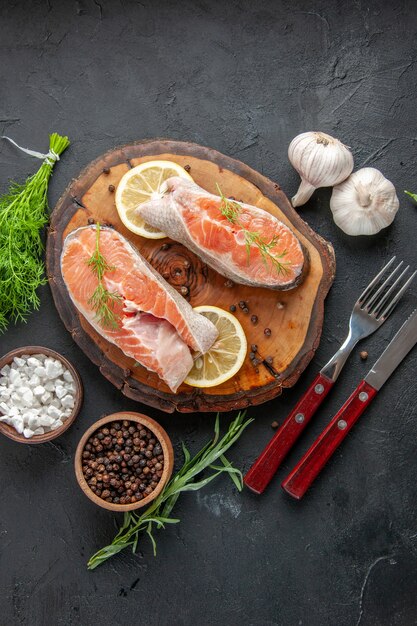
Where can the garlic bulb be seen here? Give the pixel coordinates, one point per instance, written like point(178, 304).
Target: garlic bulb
point(364, 203)
point(321, 161)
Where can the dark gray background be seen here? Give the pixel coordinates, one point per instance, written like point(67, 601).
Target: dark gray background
point(244, 78)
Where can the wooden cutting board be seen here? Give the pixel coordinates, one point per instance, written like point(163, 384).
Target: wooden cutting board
point(295, 317)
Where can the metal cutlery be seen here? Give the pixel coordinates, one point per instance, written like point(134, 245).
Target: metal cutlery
point(305, 472)
point(370, 311)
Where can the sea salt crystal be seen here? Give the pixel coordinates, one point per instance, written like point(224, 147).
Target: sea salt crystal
point(67, 402)
point(5, 371)
point(34, 380)
point(45, 397)
point(27, 397)
point(16, 399)
point(33, 362)
point(28, 433)
point(39, 391)
point(57, 424)
point(60, 391)
point(40, 371)
point(68, 376)
point(52, 369)
point(33, 421)
point(45, 420)
point(14, 377)
point(53, 412)
point(17, 424)
point(19, 362)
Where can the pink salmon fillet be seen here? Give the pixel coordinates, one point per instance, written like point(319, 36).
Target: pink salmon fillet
point(194, 217)
point(154, 324)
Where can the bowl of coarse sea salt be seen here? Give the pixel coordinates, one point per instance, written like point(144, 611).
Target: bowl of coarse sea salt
point(40, 394)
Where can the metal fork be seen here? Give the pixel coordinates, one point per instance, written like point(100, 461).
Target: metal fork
point(370, 311)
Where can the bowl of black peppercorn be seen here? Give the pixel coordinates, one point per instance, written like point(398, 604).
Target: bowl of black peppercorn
point(123, 461)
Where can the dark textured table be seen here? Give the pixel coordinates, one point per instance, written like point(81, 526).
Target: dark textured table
point(244, 78)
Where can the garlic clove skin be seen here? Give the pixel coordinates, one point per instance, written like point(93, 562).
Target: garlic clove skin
point(364, 203)
point(321, 161)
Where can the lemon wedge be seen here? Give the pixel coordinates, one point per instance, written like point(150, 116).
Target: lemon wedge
point(227, 354)
point(141, 184)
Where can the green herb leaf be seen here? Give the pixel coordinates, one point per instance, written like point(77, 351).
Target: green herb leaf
point(412, 195)
point(231, 210)
point(23, 214)
point(102, 301)
point(159, 511)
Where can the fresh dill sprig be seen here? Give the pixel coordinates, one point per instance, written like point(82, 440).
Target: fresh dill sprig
point(23, 214)
point(102, 301)
point(159, 512)
point(231, 210)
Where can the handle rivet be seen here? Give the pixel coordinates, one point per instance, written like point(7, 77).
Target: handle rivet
point(299, 418)
point(319, 389)
point(341, 424)
point(363, 396)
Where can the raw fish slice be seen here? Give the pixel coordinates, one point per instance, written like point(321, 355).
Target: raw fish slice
point(160, 338)
point(136, 281)
point(160, 348)
point(192, 216)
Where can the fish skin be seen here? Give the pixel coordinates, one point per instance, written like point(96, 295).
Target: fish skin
point(191, 215)
point(155, 325)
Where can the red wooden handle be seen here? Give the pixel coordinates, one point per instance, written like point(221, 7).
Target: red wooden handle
point(302, 476)
point(265, 466)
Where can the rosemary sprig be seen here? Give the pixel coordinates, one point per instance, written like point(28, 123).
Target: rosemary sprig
point(102, 301)
point(231, 210)
point(23, 214)
point(159, 512)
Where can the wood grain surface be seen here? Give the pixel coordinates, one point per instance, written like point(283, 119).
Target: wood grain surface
point(295, 317)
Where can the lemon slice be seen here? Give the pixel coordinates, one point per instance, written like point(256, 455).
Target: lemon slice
point(227, 354)
point(140, 184)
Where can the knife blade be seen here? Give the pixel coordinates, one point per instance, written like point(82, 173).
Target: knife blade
point(307, 470)
point(398, 348)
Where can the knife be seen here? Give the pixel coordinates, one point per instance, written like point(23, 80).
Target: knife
point(307, 470)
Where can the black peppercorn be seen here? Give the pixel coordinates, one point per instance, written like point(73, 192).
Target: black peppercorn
point(267, 332)
point(112, 188)
point(232, 308)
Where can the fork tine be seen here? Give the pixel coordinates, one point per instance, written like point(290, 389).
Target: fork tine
point(391, 306)
point(368, 305)
point(379, 305)
point(373, 282)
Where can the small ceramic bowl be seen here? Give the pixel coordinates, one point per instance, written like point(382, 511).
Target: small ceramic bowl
point(11, 432)
point(167, 450)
